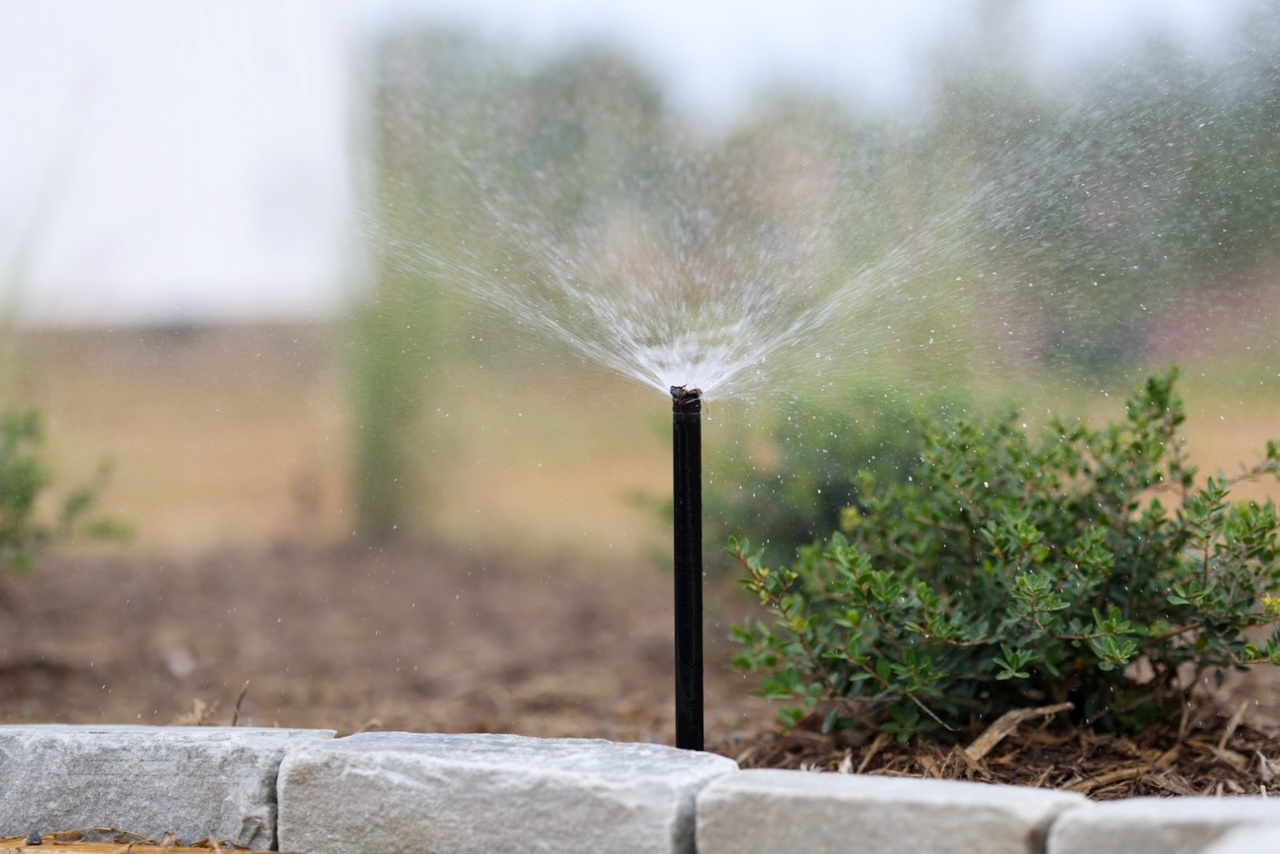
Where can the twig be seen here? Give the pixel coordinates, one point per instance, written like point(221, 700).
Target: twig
point(875, 747)
point(1232, 724)
point(235, 715)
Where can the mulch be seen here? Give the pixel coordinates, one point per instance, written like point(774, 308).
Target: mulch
point(1208, 753)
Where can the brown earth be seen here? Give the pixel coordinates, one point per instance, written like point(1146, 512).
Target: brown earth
point(245, 600)
point(394, 637)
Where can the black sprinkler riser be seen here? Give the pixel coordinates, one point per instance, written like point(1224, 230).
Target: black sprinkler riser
point(686, 449)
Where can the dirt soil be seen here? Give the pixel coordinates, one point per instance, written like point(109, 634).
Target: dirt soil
point(392, 638)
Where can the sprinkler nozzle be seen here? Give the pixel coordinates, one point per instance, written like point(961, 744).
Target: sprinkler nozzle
point(686, 399)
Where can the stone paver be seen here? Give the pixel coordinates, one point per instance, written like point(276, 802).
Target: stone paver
point(1248, 839)
point(773, 811)
point(1157, 825)
point(402, 792)
point(194, 782)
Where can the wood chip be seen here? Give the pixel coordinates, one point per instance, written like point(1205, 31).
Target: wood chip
point(1005, 724)
point(1170, 783)
point(17, 845)
point(1119, 775)
point(1161, 760)
point(1267, 770)
point(969, 762)
point(110, 840)
point(1230, 757)
point(1232, 725)
point(874, 748)
point(1169, 757)
point(932, 767)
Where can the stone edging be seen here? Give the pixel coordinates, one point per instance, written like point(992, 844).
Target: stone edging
point(304, 790)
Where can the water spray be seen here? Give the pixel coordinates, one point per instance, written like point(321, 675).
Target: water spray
point(686, 447)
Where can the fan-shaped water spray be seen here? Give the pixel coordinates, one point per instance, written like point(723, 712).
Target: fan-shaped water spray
point(697, 302)
point(736, 304)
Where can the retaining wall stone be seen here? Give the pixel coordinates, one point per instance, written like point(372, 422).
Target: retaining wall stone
point(1248, 839)
point(1181, 825)
point(775, 810)
point(404, 792)
point(194, 782)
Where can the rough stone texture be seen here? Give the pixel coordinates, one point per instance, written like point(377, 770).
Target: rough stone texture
point(1247, 839)
point(195, 782)
point(1158, 825)
point(401, 792)
point(773, 810)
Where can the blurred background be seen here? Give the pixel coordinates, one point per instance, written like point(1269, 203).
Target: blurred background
point(288, 263)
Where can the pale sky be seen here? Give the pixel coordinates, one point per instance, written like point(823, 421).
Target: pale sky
point(173, 160)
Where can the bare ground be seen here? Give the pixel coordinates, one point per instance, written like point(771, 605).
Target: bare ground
point(393, 637)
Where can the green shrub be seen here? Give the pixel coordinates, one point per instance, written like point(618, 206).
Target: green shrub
point(23, 479)
point(795, 491)
point(1083, 567)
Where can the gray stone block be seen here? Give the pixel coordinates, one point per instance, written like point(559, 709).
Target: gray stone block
point(194, 782)
point(1157, 825)
point(774, 810)
point(402, 792)
point(1247, 839)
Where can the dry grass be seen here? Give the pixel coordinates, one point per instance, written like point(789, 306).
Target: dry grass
point(240, 436)
point(218, 435)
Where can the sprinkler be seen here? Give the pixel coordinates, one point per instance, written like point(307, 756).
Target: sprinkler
point(686, 447)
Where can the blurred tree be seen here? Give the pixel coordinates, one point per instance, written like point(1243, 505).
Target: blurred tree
point(435, 97)
point(1137, 182)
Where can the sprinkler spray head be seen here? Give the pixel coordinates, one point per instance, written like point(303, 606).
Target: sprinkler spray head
point(686, 446)
point(686, 399)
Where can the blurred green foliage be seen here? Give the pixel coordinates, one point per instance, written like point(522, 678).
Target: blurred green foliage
point(24, 479)
point(788, 489)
